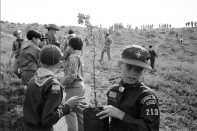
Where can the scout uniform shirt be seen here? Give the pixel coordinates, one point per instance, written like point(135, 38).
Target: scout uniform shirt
point(140, 105)
point(73, 69)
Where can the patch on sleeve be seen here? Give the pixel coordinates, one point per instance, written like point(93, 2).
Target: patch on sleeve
point(55, 89)
point(112, 94)
point(147, 98)
point(151, 102)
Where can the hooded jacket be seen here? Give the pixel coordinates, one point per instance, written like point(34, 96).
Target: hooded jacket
point(42, 101)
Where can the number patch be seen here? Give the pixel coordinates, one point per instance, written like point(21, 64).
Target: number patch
point(152, 112)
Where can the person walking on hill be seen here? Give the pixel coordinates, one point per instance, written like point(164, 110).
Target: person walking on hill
point(29, 56)
point(132, 105)
point(153, 54)
point(73, 81)
point(42, 105)
point(16, 47)
point(52, 28)
point(192, 24)
point(107, 44)
point(195, 24)
point(188, 23)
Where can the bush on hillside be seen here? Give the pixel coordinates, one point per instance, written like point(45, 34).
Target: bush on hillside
point(35, 24)
point(11, 102)
point(172, 32)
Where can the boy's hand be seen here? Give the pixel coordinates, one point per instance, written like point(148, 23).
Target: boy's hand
point(75, 101)
point(111, 111)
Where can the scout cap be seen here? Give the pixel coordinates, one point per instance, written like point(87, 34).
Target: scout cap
point(135, 55)
point(52, 26)
point(50, 55)
point(32, 33)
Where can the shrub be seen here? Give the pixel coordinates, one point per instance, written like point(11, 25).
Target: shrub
point(172, 32)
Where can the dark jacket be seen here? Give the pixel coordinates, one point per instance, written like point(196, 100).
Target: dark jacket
point(140, 105)
point(152, 54)
point(42, 105)
point(29, 56)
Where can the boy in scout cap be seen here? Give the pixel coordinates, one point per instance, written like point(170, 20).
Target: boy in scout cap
point(44, 94)
point(74, 82)
point(132, 105)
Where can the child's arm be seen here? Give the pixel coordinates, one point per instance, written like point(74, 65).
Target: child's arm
point(52, 110)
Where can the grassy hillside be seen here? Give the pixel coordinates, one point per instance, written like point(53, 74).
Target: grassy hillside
point(174, 80)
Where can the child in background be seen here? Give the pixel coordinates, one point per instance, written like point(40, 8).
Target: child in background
point(106, 48)
point(153, 54)
point(29, 56)
point(74, 83)
point(132, 105)
point(51, 34)
point(16, 47)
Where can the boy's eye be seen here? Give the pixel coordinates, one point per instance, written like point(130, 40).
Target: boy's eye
point(136, 68)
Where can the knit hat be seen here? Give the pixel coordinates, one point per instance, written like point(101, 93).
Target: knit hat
point(32, 33)
point(52, 26)
point(50, 55)
point(135, 55)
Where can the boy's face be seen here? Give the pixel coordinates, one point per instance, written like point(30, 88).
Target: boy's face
point(36, 41)
point(53, 31)
point(131, 73)
point(19, 35)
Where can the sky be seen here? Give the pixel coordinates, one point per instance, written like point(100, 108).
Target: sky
point(104, 12)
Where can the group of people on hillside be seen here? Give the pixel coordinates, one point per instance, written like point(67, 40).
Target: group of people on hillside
point(131, 104)
point(150, 26)
point(164, 25)
point(193, 24)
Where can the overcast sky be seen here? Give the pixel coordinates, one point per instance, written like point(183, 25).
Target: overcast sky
point(105, 12)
